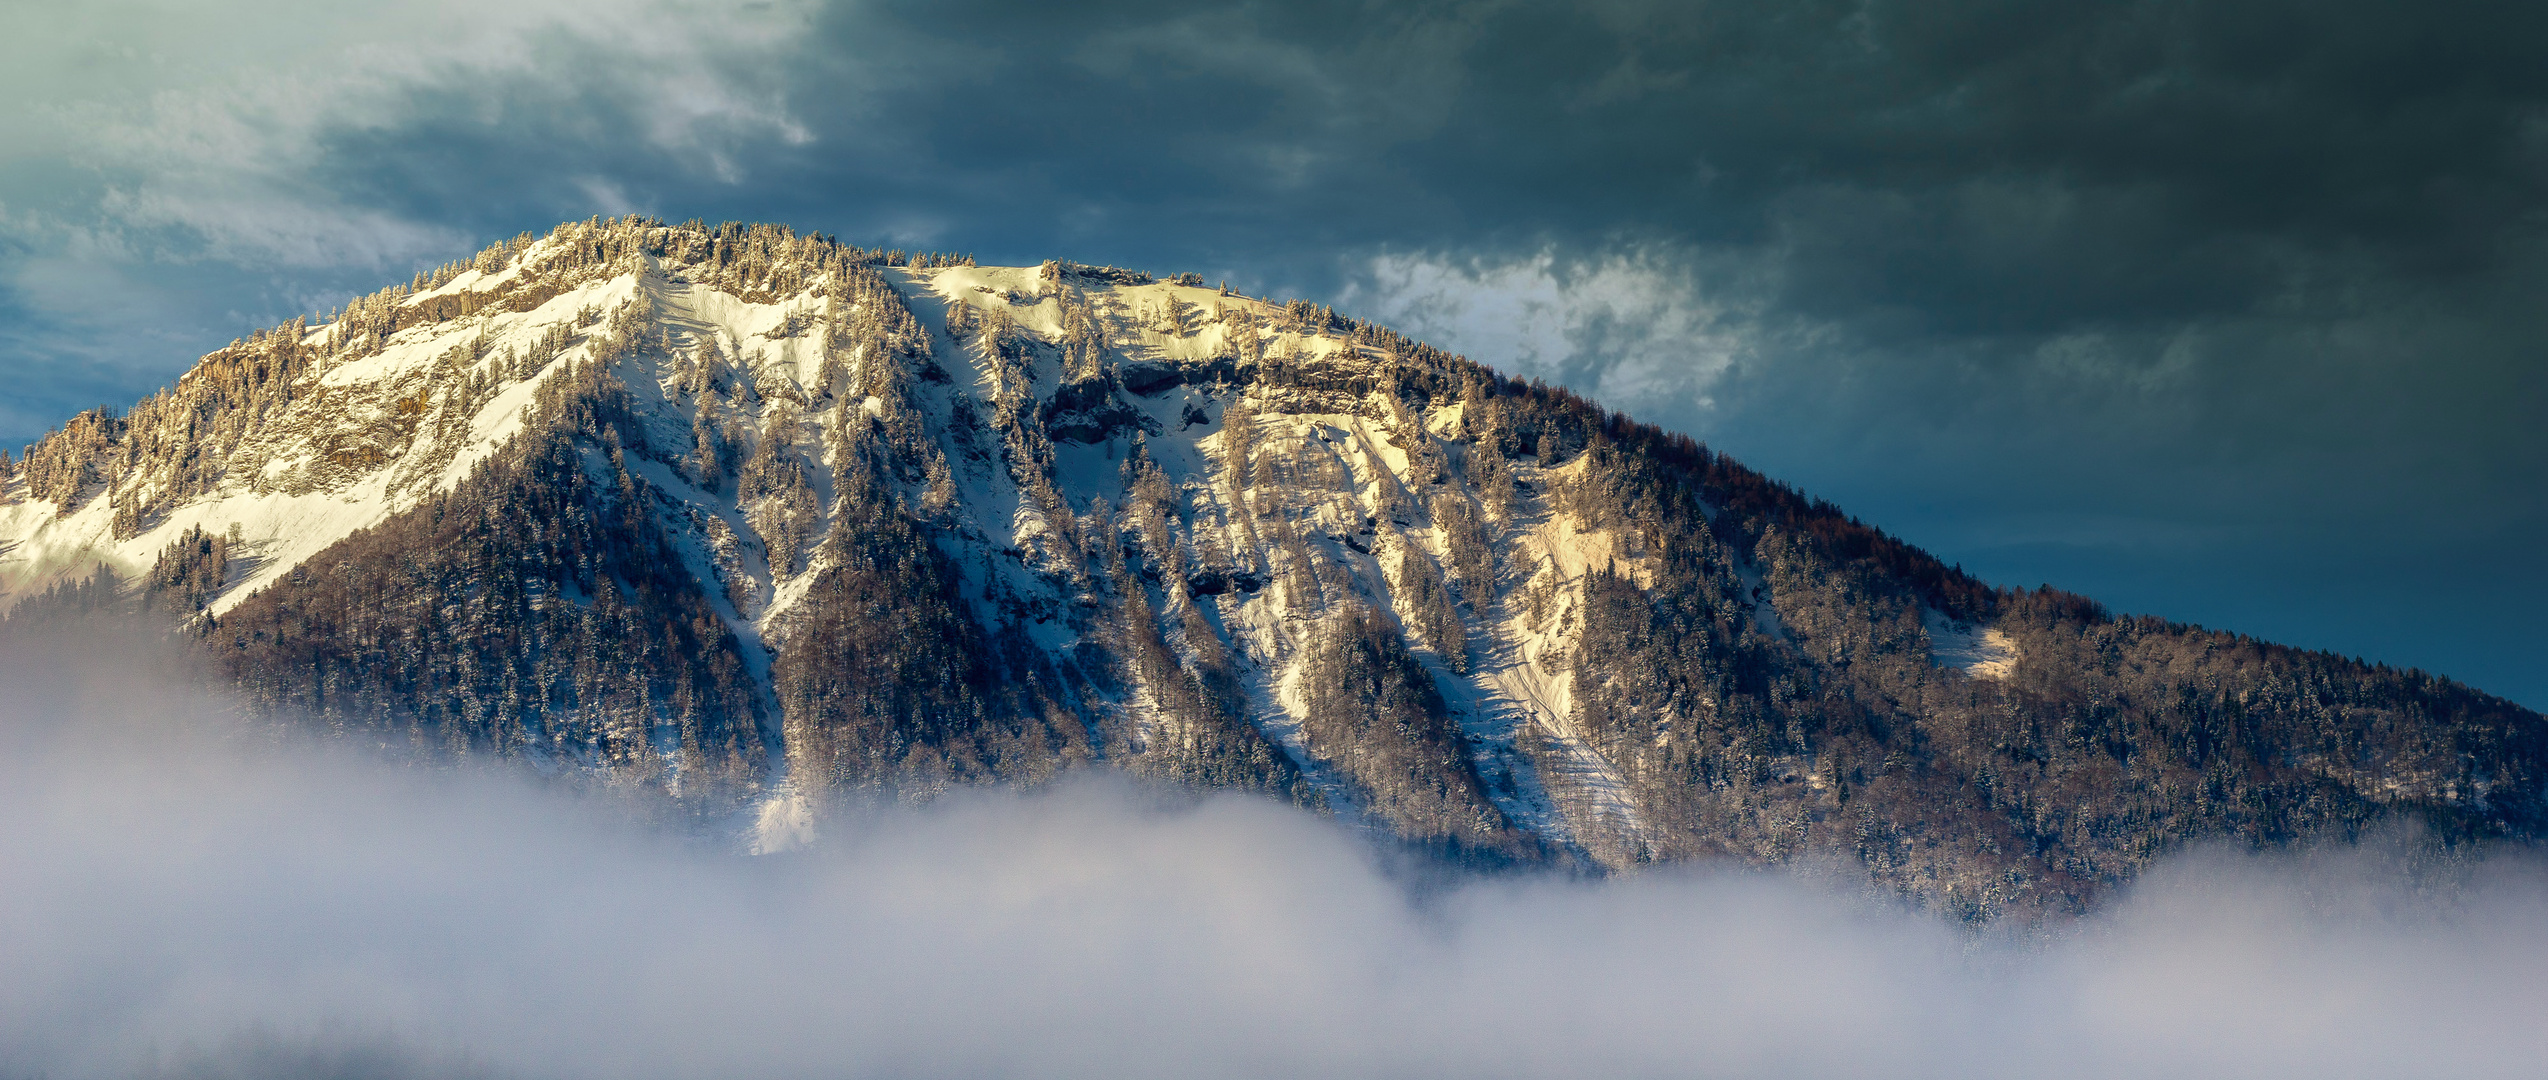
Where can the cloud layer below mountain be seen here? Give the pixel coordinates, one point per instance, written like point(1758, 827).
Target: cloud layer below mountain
point(183, 897)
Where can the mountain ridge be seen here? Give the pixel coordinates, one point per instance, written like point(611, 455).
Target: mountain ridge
point(753, 516)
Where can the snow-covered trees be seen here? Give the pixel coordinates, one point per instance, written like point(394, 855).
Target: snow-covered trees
point(887, 685)
point(776, 498)
point(61, 466)
point(1430, 609)
point(1371, 710)
point(189, 572)
point(529, 610)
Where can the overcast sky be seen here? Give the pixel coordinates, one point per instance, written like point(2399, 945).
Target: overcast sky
point(2230, 313)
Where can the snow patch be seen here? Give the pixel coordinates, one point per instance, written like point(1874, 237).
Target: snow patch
point(1979, 651)
point(785, 822)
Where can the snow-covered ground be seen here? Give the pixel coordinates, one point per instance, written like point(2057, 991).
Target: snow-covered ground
point(1980, 651)
point(296, 503)
point(1015, 571)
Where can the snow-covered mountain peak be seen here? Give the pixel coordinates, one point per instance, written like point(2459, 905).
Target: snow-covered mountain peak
point(738, 510)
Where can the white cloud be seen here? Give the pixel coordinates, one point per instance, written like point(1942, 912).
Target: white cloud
point(239, 161)
point(248, 911)
point(1630, 327)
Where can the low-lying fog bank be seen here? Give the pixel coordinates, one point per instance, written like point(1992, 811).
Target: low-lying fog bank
point(179, 902)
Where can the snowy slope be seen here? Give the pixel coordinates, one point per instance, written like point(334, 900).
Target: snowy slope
point(833, 524)
point(293, 503)
point(380, 424)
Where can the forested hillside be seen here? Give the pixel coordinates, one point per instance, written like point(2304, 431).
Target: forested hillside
point(755, 518)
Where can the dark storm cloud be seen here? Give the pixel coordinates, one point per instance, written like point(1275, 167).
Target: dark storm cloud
point(1947, 170)
point(2198, 307)
point(1968, 168)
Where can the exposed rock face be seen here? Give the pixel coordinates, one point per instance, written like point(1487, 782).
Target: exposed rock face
point(741, 513)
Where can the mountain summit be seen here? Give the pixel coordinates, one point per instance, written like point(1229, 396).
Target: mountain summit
point(756, 518)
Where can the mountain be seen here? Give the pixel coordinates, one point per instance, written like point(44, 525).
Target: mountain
point(758, 519)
